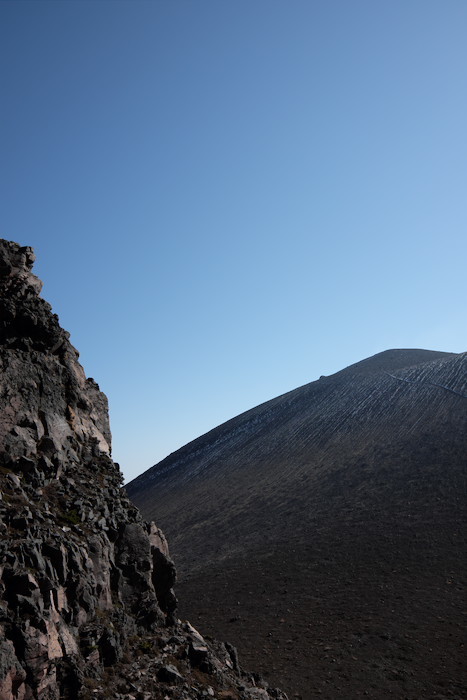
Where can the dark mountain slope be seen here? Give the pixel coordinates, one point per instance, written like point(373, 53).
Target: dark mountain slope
point(339, 508)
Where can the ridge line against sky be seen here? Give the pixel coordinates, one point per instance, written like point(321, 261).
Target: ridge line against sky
point(228, 200)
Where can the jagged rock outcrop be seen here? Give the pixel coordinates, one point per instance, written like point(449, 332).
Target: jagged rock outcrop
point(86, 601)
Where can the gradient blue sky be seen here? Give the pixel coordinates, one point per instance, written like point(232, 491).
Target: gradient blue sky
point(229, 198)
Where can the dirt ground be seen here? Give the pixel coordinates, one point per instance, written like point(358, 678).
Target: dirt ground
point(348, 615)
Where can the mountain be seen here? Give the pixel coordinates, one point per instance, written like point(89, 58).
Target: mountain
point(87, 608)
point(323, 531)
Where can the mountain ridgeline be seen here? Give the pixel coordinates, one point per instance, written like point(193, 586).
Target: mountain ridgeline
point(324, 531)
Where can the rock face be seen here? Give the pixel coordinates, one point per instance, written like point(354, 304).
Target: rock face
point(86, 601)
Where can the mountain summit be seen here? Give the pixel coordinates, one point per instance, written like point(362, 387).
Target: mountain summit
point(324, 530)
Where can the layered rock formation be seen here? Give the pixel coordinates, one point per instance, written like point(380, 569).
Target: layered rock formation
point(86, 601)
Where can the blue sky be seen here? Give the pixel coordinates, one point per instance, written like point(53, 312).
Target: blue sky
point(230, 198)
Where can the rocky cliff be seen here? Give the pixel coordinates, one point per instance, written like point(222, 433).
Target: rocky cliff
point(86, 601)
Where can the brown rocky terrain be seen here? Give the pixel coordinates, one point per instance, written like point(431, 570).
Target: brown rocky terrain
point(87, 608)
point(323, 532)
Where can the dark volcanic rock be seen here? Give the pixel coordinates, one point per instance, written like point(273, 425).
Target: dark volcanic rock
point(86, 601)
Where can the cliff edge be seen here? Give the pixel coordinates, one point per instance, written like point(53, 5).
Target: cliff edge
point(86, 601)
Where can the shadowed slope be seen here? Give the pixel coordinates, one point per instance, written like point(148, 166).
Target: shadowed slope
point(339, 509)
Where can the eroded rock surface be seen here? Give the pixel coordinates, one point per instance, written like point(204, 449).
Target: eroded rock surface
point(86, 601)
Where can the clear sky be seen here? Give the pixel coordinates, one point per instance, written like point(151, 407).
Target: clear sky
point(229, 198)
